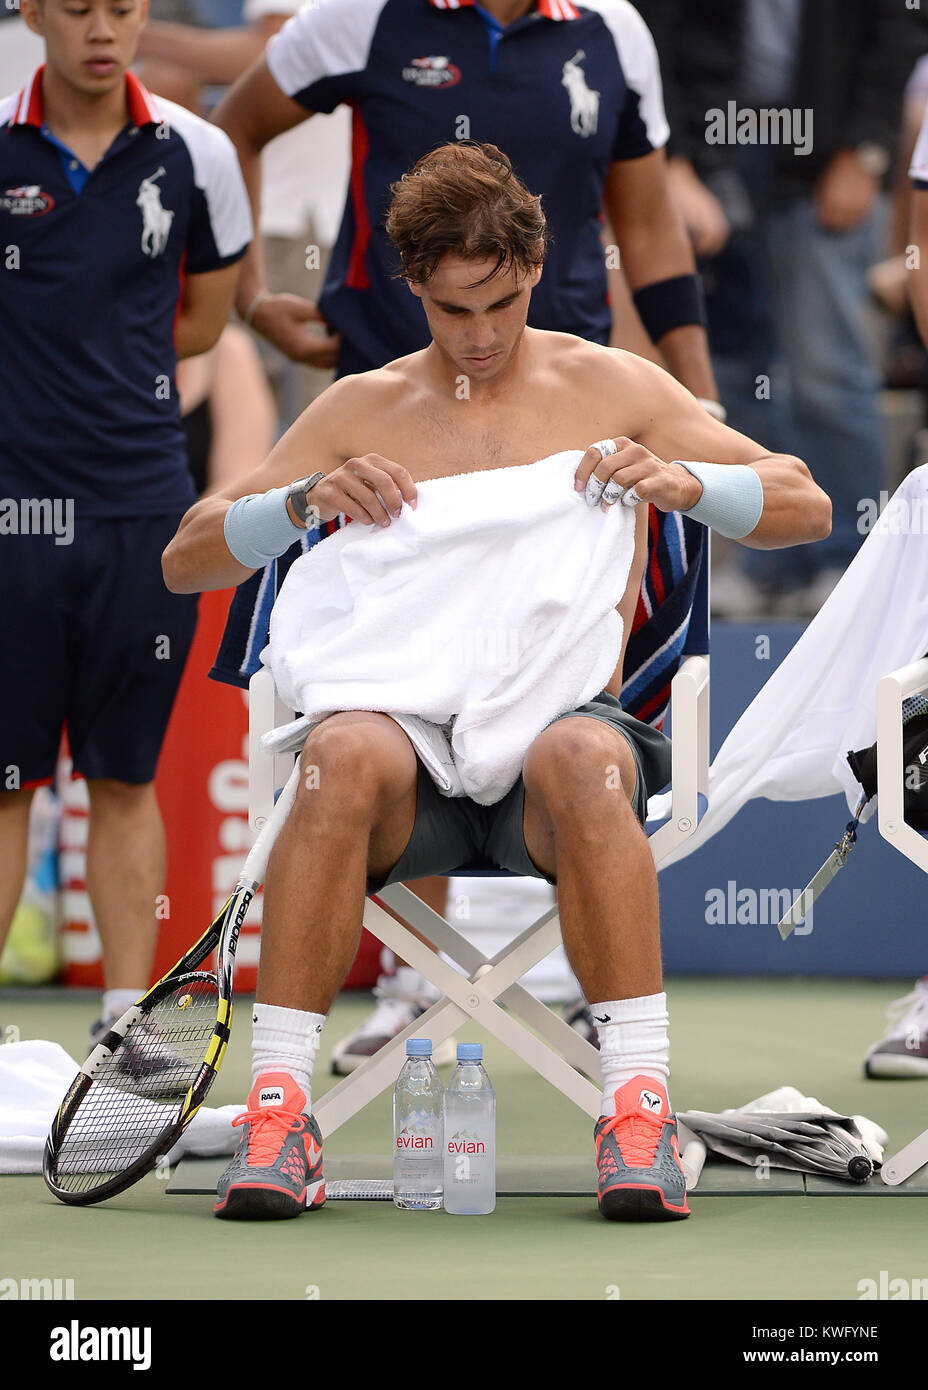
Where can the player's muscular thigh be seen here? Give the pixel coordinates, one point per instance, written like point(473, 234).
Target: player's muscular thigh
point(359, 764)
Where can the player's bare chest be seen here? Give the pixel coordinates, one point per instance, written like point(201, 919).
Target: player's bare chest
point(440, 443)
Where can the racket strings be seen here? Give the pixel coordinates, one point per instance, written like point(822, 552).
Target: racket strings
point(138, 1092)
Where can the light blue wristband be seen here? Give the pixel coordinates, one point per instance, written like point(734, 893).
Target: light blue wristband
point(258, 528)
point(732, 500)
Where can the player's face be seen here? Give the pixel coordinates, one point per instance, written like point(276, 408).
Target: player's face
point(89, 43)
point(477, 327)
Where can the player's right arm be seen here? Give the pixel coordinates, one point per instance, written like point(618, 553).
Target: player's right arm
point(199, 557)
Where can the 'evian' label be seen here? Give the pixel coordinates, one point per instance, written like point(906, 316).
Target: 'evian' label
point(414, 1141)
point(466, 1146)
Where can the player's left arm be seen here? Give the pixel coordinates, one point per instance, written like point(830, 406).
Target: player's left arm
point(670, 427)
point(204, 310)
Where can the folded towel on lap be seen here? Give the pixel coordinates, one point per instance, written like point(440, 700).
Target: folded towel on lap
point(489, 609)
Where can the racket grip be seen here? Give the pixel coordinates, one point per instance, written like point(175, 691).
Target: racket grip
point(255, 866)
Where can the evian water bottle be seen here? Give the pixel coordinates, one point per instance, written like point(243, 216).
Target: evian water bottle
point(417, 1104)
point(470, 1136)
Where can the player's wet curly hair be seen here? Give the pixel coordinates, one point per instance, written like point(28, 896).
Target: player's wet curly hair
point(465, 199)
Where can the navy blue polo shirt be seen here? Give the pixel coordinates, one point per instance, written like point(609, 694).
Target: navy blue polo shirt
point(564, 91)
point(92, 266)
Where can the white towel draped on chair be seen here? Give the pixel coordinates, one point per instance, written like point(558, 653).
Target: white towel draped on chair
point(791, 742)
point(489, 609)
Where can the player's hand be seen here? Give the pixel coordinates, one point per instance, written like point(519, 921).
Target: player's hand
point(285, 319)
point(670, 486)
point(370, 489)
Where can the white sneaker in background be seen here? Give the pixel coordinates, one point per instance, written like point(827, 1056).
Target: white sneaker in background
point(401, 999)
point(577, 1015)
point(903, 1050)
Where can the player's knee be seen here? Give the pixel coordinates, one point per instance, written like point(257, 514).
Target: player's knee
point(579, 762)
point(352, 762)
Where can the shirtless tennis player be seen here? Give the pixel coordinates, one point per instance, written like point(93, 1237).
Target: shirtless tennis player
point(488, 392)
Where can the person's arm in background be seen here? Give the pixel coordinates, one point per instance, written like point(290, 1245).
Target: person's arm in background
point(212, 56)
point(655, 252)
point(918, 233)
point(627, 329)
point(888, 279)
point(243, 418)
point(918, 278)
point(913, 113)
point(849, 184)
point(654, 249)
point(252, 113)
point(699, 47)
point(222, 57)
point(219, 230)
point(206, 303)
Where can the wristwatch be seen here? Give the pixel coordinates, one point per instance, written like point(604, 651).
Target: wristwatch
point(874, 159)
point(297, 495)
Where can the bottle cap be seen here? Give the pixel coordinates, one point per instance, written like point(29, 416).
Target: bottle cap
point(418, 1047)
point(470, 1052)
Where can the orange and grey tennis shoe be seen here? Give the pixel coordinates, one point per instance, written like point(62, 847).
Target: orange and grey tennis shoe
point(276, 1170)
point(640, 1174)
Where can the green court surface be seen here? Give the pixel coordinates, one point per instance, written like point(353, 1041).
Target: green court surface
point(731, 1040)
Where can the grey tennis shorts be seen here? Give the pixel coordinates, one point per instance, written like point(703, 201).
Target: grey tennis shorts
point(457, 833)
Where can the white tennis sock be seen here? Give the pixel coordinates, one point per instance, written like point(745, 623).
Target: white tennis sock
point(633, 1042)
point(116, 1001)
point(286, 1040)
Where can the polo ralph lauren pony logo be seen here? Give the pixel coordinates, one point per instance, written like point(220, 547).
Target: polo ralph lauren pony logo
point(156, 220)
point(584, 102)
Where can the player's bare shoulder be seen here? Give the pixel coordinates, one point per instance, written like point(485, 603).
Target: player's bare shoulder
point(605, 384)
point(344, 409)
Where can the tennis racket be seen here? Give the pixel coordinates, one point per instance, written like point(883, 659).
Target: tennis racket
point(142, 1085)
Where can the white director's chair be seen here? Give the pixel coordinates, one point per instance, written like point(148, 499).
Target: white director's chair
point(482, 989)
point(891, 691)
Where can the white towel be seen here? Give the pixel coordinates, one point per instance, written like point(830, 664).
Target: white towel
point(791, 742)
point(489, 610)
point(34, 1077)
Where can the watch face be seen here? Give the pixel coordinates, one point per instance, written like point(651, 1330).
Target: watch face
point(297, 495)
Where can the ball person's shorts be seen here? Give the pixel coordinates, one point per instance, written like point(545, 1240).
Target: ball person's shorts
point(456, 833)
point(92, 640)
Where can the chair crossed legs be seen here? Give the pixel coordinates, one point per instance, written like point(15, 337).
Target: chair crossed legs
point(891, 773)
